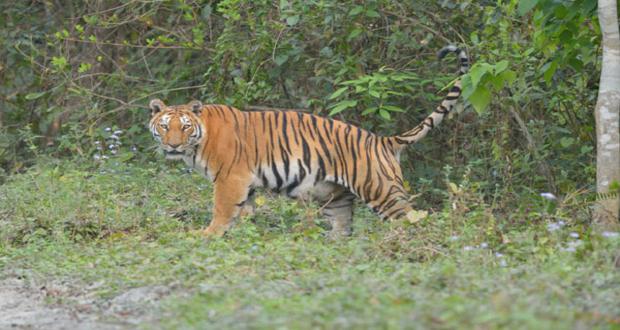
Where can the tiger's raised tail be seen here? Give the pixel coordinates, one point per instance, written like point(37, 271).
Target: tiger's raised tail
point(417, 133)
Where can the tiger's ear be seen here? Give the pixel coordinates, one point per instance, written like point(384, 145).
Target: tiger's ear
point(156, 106)
point(196, 106)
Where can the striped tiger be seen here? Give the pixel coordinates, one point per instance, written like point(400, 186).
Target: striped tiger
point(299, 154)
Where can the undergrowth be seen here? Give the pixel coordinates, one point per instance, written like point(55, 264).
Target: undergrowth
point(471, 264)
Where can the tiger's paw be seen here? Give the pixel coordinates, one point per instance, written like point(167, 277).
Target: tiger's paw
point(209, 232)
point(415, 216)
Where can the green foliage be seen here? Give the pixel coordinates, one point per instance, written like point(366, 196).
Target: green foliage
point(128, 226)
point(75, 78)
point(64, 80)
point(375, 93)
point(485, 79)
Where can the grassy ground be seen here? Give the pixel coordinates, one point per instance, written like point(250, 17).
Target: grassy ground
point(128, 226)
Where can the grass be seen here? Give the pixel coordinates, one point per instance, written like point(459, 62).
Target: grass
point(467, 266)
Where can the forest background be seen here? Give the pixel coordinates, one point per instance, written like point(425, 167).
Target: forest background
point(512, 172)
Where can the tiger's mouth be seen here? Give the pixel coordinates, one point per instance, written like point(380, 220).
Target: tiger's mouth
point(174, 154)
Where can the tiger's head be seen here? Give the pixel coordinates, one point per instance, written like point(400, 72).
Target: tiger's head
point(178, 129)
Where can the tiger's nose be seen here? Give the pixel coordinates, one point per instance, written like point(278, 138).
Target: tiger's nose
point(174, 146)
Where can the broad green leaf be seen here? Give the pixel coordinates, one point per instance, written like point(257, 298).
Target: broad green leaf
point(340, 106)
point(501, 66)
point(548, 71)
point(467, 87)
point(356, 32)
point(369, 110)
point(560, 11)
point(525, 6)
point(497, 82)
point(338, 93)
point(477, 72)
point(393, 108)
point(575, 63)
point(373, 14)
point(281, 59)
point(509, 76)
point(374, 93)
point(480, 99)
point(356, 10)
point(384, 114)
point(292, 20)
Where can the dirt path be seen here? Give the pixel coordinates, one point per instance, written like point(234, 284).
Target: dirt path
point(57, 306)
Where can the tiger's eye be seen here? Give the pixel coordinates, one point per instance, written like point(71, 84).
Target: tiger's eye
point(186, 127)
point(164, 126)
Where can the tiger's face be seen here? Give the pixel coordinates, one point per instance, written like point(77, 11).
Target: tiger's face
point(176, 128)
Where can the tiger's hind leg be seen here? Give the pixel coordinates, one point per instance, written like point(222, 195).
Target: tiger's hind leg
point(337, 207)
point(339, 213)
point(249, 206)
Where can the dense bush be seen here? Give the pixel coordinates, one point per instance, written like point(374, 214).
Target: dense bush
point(72, 68)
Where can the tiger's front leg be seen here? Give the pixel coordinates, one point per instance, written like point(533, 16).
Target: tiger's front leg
point(230, 196)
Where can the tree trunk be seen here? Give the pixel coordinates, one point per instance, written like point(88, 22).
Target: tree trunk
point(607, 114)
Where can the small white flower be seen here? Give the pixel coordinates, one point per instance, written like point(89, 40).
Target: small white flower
point(114, 137)
point(113, 151)
point(484, 245)
point(610, 234)
point(118, 132)
point(468, 248)
point(548, 196)
point(454, 238)
point(134, 149)
point(572, 246)
point(97, 142)
point(503, 263)
point(574, 235)
point(569, 249)
point(104, 157)
point(107, 129)
point(97, 157)
point(498, 255)
point(553, 226)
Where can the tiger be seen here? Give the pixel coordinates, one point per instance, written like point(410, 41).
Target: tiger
point(295, 153)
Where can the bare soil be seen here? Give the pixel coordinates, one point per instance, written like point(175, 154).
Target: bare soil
point(55, 306)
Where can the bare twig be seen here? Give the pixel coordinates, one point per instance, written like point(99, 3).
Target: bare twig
point(531, 145)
